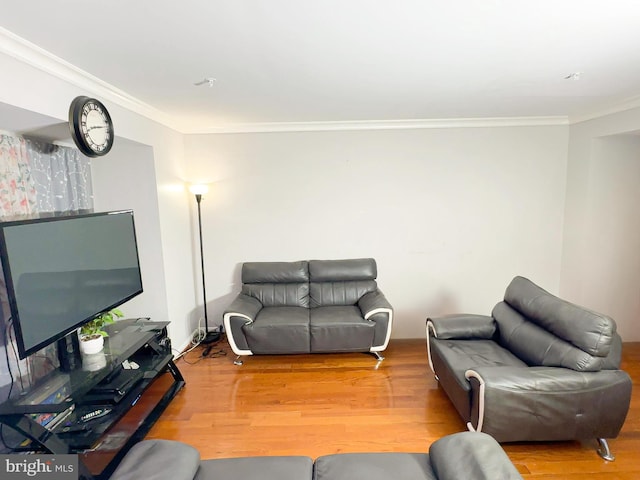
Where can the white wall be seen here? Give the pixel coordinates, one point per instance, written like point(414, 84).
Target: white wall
point(132, 165)
point(601, 254)
point(128, 172)
point(451, 215)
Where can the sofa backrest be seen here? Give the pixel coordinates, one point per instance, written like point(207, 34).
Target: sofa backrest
point(542, 329)
point(341, 282)
point(277, 284)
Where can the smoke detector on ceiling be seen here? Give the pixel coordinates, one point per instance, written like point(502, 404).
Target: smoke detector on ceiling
point(206, 81)
point(573, 76)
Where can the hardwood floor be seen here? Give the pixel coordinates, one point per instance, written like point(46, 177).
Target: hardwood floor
point(320, 404)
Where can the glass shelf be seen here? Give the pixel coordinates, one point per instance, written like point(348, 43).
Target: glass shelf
point(64, 396)
point(57, 391)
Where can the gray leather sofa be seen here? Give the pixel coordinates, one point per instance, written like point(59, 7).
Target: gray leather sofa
point(317, 306)
point(538, 369)
point(466, 455)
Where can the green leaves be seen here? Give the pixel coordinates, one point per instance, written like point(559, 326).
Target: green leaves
point(95, 326)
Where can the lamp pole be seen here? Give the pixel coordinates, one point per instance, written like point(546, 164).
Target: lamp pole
point(209, 337)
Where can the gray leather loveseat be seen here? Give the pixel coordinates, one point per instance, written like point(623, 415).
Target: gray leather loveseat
point(466, 455)
point(538, 369)
point(316, 306)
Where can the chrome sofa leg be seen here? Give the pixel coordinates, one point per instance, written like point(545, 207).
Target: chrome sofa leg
point(378, 356)
point(237, 361)
point(603, 450)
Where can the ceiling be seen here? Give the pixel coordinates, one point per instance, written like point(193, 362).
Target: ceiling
point(304, 62)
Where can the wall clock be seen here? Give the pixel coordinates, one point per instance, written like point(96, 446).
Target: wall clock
point(91, 126)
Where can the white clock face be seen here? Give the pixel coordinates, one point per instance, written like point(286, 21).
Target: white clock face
point(95, 127)
point(91, 126)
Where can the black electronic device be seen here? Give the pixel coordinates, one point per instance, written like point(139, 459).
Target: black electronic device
point(69, 353)
point(74, 428)
point(94, 414)
point(114, 390)
point(61, 272)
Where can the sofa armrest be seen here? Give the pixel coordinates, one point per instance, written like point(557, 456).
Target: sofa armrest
point(372, 303)
point(461, 326)
point(243, 310)
point(158, 460)
point(471, 456)
point(547, 403)
point(244, 306)
point(375, 308)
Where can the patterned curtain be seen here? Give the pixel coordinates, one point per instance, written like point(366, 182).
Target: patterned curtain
point(17, 187)
point(62, 177)
point(35, 177)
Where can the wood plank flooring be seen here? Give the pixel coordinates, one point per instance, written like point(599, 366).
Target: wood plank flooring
point(320, 404)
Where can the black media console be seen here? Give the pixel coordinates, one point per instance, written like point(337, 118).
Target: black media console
point(101, 408)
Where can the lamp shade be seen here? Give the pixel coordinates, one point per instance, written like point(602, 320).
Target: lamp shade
point(199, 188)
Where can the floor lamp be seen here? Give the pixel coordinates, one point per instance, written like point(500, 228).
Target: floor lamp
point(209, 337)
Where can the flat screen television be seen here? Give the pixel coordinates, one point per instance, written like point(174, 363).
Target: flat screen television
point(61, 272)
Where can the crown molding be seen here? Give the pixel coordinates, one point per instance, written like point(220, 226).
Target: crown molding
point(628, 104)
point(29, 53)
point(45, 61)
point(385, 125)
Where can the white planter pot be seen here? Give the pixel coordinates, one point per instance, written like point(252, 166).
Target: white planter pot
point(91, 346)
point(94, 362)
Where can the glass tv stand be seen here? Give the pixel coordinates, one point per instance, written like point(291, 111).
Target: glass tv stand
point(100, 410)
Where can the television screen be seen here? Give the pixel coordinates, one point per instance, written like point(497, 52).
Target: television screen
point(60, 272)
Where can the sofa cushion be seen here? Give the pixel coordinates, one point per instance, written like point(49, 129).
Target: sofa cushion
point(279, 330)
point(537, 346)
point(342, 270)
point(462, 355)
point(587, 330)
point(279, 294)
point(277, 284)
point(374, 466)
point(452, 358)
point(339, 293)
point(341, 282)
point(158, 460)
point(340, 329)
point(256, 468)
point(275, 272)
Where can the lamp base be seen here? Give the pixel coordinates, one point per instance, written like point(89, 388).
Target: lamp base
point(210, 337)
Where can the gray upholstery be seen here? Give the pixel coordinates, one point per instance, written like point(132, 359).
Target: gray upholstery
point(467, 455)
point(279, 330)
point(374, 466)
point(340, 329)
point(559, 317)
point(158, 460)
point(461, 456)
point(548, 403)
point(256, 468)
point(315, 306)
point(539, 369)
point(277, 284)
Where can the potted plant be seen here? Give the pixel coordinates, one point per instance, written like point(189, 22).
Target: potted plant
point(92, 333)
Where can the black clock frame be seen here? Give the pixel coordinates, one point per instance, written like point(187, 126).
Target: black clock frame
point(77, 133)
